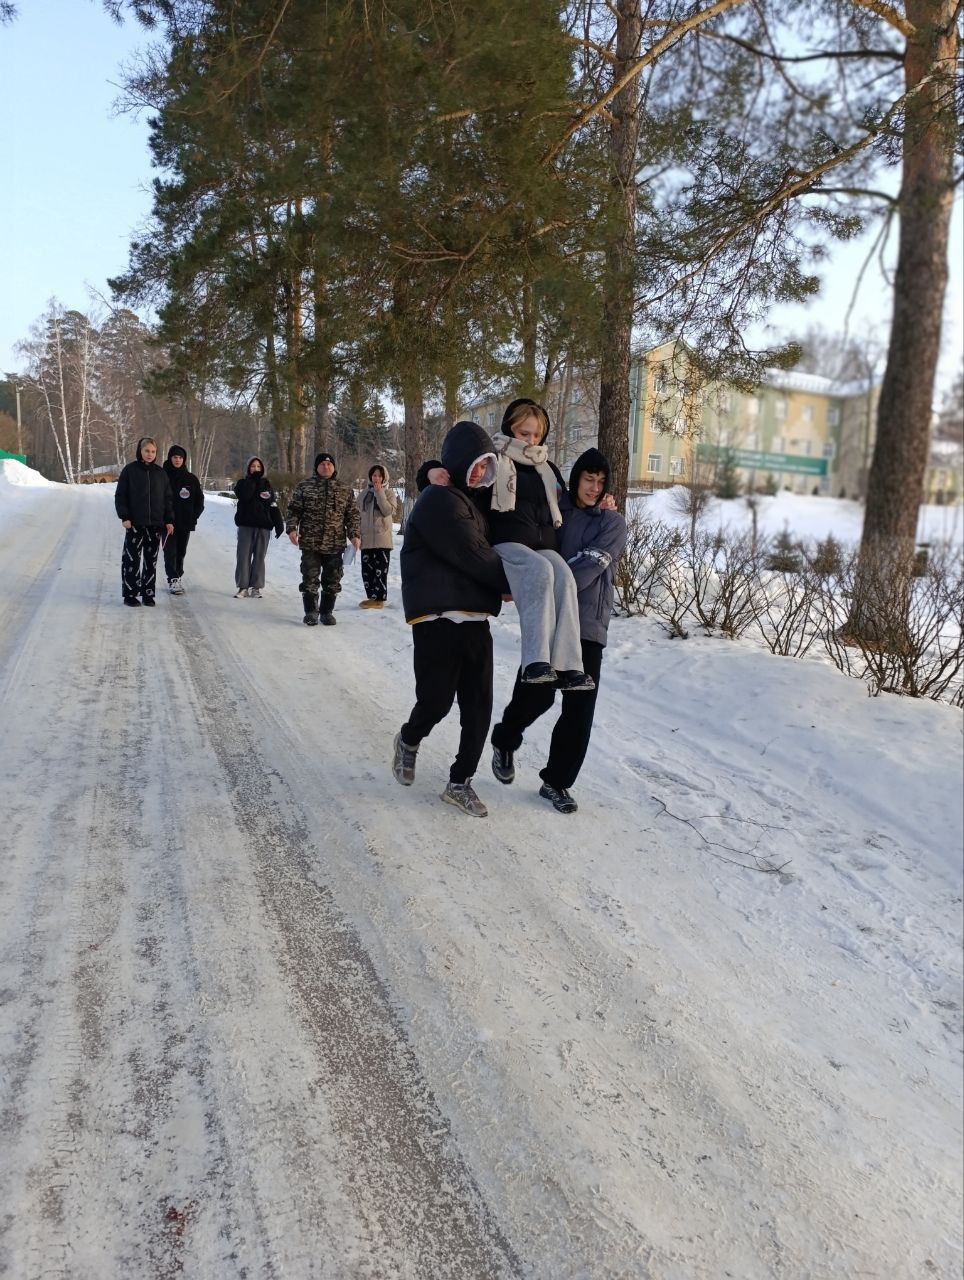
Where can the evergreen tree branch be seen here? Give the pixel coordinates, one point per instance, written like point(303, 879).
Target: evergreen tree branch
point(890, 15)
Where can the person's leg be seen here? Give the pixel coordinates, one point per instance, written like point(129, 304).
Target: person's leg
point(259, 549)
point(170, 557)
point(242, 569)
point(572, 731)
point(527, 704)
point(436, 658)
point(382, 556)
point(332, 568)
point(531, 582)
point(181, 538)
point(131, 564)
point(474, 693)
point(149, 550)
point(565, 648)
point(368, 572)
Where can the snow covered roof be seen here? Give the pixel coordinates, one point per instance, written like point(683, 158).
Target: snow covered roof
point(817, 384)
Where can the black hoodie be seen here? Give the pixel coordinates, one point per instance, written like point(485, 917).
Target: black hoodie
point(187, 491)
point(143, 495)
point(257, 505)
point(447, 562)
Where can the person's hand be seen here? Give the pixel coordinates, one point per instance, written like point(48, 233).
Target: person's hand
point(293, 535)
point(169, 528)
point(377, 482)
point(438, 475)
point(608, 503)
point(356, 543)
point(127, 524)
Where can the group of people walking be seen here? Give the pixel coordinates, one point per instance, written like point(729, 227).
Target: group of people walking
point(494, 521)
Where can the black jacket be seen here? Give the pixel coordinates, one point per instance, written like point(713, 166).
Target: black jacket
point(188, 495)
point(531, 521)
point(257, 504)
point(446, 561)
point(143, 495)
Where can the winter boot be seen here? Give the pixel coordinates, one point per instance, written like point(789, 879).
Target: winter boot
point(327, 611)
point(311, 609)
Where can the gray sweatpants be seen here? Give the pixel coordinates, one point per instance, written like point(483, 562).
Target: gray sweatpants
point(544, 592)
point(252, 548)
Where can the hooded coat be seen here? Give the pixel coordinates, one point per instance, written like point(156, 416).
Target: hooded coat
point(447, 561)
point(531, 522)
point(187, 491)
point(257, 502)
point(143, 495)
point(324, 513)
point(591, 542)
point(377, 507)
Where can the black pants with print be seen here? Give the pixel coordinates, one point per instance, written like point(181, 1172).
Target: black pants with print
point(570, 736)
point(140, 545)
point(175, 549)
point(374, 572)
point(453, 662)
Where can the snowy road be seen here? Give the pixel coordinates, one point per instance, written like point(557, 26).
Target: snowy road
point(265, 1014)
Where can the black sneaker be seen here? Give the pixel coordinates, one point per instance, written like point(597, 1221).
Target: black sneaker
point(538, 673)
point(561, 800)
point(403, 761)
point(502, 765)
point(575, 682)
point(132, 601)
point(149, 601)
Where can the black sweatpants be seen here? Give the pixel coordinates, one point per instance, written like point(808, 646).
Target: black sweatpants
point(140, 543)
point(175, 549)
point(453, 662)
point(570, 737)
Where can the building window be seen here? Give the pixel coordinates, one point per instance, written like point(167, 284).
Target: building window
point(726, 402)
point(751, 440)
point(806, 414)
point(830, 449)
point(807, 448)
point(575, 431)
point(776, 445)
point(576, 397)
point(490, 419)
point(833, 416)
point(676, 466)
point(780, 409)
point(752, 407)
point(659, 381)
point(654, 464)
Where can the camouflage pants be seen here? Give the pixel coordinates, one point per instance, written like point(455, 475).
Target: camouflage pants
point(324, 567)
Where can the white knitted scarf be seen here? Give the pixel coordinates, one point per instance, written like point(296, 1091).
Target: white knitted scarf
point(509, 451)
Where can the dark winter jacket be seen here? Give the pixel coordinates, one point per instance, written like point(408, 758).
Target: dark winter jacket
point(257, 503)
point(377, 508)
point(143, 495)
point(447, 562)
point(591, 542)
point(324, 513)
point(187, 491)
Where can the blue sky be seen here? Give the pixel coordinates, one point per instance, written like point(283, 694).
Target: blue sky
point(77, 177)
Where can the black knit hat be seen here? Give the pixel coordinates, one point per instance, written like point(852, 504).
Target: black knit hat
point(533, 404)
point(591, 460)
point(177, 449)
point(324, 457)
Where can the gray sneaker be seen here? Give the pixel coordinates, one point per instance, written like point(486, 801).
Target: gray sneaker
point(403, 764)
point(254, 593)
point(463, 797)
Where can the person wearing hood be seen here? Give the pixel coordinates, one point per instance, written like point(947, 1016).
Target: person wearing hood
point(452, 583)
point(188, 505)
point(322, 518)
point(256, 514)
point(377, 507)
point(145, 506)
point(592, 539)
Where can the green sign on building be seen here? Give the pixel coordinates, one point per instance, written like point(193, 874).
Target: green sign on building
point(757, 460)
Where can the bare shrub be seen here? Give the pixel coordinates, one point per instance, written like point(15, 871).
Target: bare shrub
point(791, 616)
point(692, 500)
point(728, 593)
point(650, 547)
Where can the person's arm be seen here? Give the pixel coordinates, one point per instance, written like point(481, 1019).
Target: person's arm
point(296, 509)
point(384, 500)
point(603, 551)
point(198, 498)
point(352, 520)
point(168, 502)
point(422, 480)
point(122, 501)
point(451, 529)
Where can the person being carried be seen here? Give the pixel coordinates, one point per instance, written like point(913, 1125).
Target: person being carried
point(145, 506)
point(322, 517)
point(377, 507)
point(188, 505)
point(452, 583)
point(592, 540)
point(256, 514)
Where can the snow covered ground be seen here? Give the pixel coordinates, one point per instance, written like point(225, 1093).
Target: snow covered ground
point(264, 1013)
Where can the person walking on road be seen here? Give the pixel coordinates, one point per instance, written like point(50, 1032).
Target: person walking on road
point(188, 505)
point(256, 514)
point(377, 506)
point(322, 518)
point(145, 506)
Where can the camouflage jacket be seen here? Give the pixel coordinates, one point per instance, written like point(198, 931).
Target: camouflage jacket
point(324, 513)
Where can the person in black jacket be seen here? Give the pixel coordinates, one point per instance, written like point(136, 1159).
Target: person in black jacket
point(145, 506)
point(452, 583)
point(188, 505)
point(256, 514)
